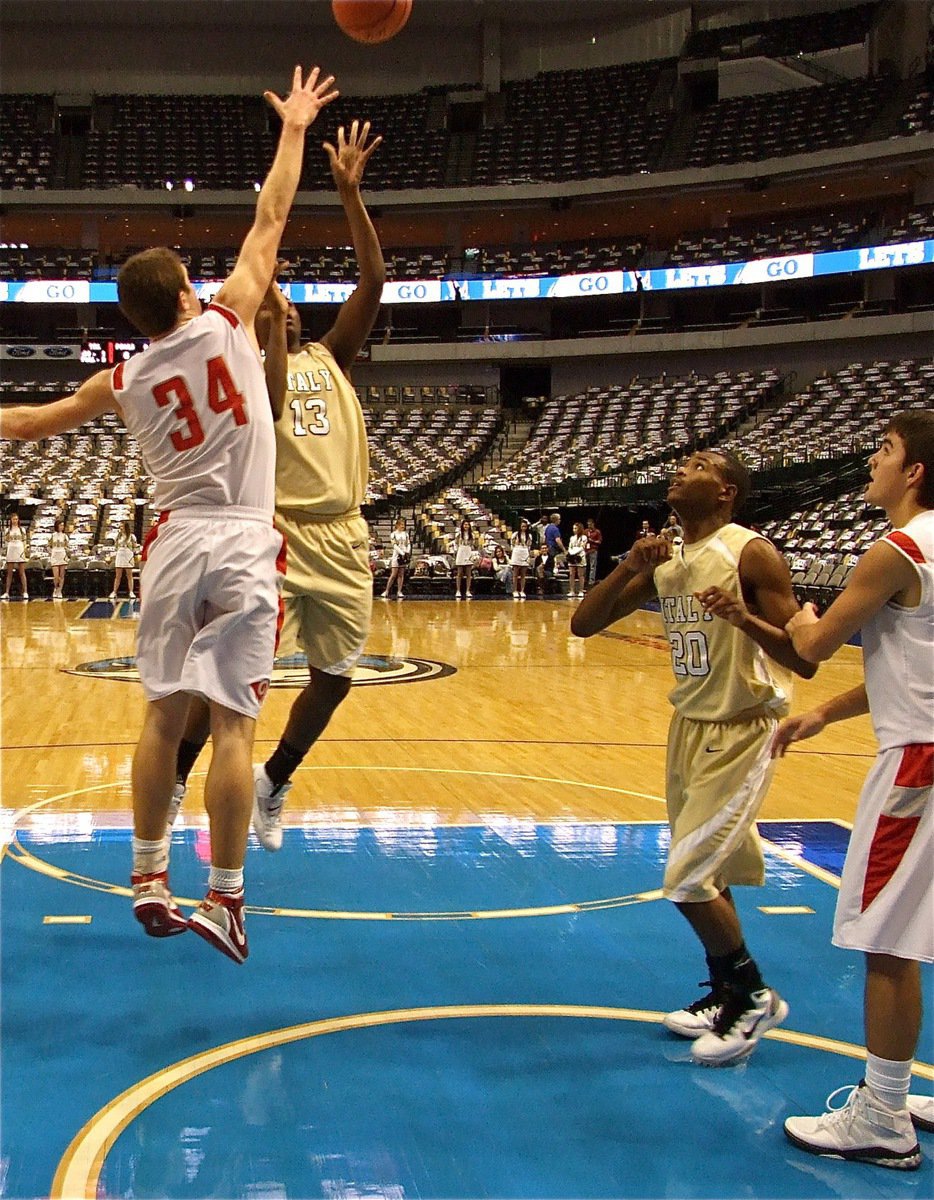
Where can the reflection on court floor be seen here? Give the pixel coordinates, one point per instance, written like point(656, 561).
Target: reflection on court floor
point(427, 1011)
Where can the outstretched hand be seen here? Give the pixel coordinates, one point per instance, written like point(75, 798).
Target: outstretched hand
point(352, 154)
point(305, 100)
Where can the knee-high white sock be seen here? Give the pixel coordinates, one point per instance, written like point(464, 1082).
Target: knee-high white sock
point(890, 1081)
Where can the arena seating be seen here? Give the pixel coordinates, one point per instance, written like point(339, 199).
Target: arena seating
point(808, 33)
point(750, 128)
point(767, 240)
point(918, 117)
point(413, 448)
point(838, 414)
point(627, 428)
point(609, 122)
point(27, 145)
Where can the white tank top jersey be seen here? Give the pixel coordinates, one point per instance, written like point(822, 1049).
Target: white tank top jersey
point(898, 649)
point(196, 401)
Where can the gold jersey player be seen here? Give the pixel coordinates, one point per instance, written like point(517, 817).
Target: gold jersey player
point(322, 465)
point(725, 595)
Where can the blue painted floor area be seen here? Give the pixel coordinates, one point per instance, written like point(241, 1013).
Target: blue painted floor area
point(454, 1105)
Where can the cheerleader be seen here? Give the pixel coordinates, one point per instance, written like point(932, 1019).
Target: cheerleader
point(465, 556)
point(125, 548)
point(577, 561)
point(520, 557)
point(401, 554)
point(15, 557)
point(58, 558)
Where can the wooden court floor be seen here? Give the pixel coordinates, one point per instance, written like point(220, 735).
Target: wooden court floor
point(532, 722)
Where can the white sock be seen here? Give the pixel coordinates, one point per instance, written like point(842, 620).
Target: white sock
point(890, 1081)
point(227, 882)
point(149, 858)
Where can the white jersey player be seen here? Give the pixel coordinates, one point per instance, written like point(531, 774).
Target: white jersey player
point(886, 902)
point(196, 400)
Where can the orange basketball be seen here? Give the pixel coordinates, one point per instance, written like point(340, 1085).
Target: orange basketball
point(371, 20)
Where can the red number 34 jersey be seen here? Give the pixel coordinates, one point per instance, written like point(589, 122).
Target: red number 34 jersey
point(197, 404)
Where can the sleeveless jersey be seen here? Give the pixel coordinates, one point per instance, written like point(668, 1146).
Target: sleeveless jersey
point(322, 457)
point(719, 671)
point(898, 649)
point(197, 404)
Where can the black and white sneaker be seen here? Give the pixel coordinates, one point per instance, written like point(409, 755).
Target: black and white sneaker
point(738, 1026)
point(696, 1018)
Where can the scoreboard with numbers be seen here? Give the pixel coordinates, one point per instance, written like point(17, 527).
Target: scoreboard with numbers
point(107, 353)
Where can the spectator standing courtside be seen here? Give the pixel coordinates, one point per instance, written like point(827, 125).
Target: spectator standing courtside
point(520, 557)
point(553, 543)
point(594, 542)
point(577, 561)
point(58, 559)
point(401, 556)
point(15, 553)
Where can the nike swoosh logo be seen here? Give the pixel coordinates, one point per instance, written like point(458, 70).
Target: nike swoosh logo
point(356, 545)
point(755, 1025)
point(711, 749)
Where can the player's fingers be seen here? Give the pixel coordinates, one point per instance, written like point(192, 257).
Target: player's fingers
point(310, 81)
point(369, 150)
point(297, 78)
point(324, 85)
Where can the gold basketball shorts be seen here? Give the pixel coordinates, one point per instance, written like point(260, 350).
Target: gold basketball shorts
point(328, 590)
point(717, 776)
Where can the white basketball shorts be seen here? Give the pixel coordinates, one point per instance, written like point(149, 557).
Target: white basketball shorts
point(210, 610)
point(886, 902)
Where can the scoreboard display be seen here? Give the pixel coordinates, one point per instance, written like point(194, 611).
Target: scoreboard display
point(109, 353)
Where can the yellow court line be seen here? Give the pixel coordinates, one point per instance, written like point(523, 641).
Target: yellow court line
point(78, 1172)
point(66, 920)
point(25, 858)
point(786, 910)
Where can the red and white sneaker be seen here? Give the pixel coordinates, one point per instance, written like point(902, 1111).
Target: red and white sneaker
point(219, 920)
point(154, 907)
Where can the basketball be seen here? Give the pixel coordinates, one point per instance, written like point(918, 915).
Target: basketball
point(371, 20)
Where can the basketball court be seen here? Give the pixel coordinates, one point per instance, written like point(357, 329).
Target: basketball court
point(460, 958)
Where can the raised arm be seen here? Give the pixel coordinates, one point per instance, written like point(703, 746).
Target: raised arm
point(272, 334)
point(766, 586)
point(247, 284)
point(624, 590)
point(348, 334)
point(32, 423)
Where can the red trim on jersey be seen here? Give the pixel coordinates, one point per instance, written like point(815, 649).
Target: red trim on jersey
point(153, 533)
point(280, 568)
point(117, 377)
point(226, 313)
point(916, 770)
point(892, 838)
point(906, 544)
